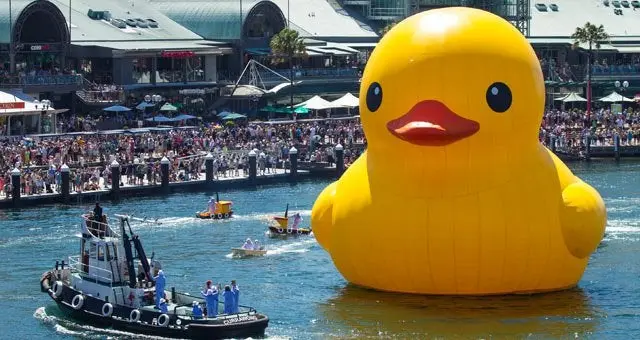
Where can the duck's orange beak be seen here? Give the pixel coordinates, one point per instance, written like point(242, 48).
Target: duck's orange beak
point(431, 123)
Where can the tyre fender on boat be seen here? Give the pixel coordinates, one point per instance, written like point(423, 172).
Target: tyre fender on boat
point(163, 320)
point(299, 231)
point(219, 216)
point(288, 231)
point(226, 215)
point(77, 302)
point(57, 289)
point(107, 309)
point(280, 230)
point(134, 316)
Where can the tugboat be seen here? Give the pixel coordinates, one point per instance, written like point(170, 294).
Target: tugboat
point(221, 211)
point(102, 287)
point(282, 228)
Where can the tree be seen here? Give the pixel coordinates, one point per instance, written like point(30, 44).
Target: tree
point(591, 35)
point(387, 28)
point(287, 44)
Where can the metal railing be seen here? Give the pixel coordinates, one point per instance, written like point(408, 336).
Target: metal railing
point(92, 272)
point(65, 79)
point(307, 73)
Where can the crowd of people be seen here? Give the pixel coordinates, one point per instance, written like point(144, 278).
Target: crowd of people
point(89, 156)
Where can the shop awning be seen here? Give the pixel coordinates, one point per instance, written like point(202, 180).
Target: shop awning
point(159, 45)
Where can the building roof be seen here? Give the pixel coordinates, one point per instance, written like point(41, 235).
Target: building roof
point(211, 19)
point(84, 28)
point(575, 13)
point(150, 45)
point(321, 20)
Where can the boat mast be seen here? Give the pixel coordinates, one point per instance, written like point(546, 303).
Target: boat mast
point(126, 243)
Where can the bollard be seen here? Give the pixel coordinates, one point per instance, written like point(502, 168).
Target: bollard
point(208, 169)
point(15, 183)
point(293, 162)
point(65, 187)
point(339, 159)
point(588, 148)
point(115, 180)
point(616, 146)
point(164, 171)
point(253, 167)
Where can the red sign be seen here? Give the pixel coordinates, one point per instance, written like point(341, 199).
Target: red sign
point(12, 105)
point(177, 54)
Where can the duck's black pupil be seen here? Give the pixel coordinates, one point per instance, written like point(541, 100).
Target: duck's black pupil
point(499, 97)
point(374, 97)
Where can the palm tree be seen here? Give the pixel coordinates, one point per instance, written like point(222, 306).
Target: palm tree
point(592, 35)
point(287, 44)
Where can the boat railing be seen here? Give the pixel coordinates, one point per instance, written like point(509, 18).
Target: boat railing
point(96, 228)
point(90, 273)
point(185, 300)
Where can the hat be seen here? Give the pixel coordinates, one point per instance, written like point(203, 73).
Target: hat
point(195, 303)
point(163, 301)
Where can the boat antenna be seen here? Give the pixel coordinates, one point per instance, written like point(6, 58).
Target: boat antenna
point(286, 212)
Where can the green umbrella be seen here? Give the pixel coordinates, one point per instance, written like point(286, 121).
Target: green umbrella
point(233, 116)
point(168, 107)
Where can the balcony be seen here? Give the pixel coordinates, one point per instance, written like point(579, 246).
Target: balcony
point(312, 74)
point(44, 83)
point(615, 71)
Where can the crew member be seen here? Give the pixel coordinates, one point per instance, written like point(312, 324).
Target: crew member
point(296, 221)
point(97, 212)
point(236, 296)
point(229, 302)
point(211, 296)
point(163, 306)
point(248, 244)
point(256, 245)
point(160, 283)
point(197, 310)
point(212, 206)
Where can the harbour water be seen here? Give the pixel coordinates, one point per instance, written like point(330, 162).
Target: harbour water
point(297, 285)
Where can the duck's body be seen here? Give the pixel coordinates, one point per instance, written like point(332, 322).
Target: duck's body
point(442, 202)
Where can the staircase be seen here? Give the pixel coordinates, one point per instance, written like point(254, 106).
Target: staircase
point(98, 98)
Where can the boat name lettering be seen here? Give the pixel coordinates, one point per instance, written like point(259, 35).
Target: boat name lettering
point(240, 319)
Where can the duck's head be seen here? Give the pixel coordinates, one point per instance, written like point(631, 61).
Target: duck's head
point(449, 75)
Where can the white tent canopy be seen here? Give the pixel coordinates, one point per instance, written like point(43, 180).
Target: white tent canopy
point(315, 103)
point(571, 97)
point(10, 104)
point(348, 100)
point(615, 97)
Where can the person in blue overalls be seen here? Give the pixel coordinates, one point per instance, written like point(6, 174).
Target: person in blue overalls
point(236, 296)
point(211, 296)
point(163, 306)
point(229, 302)
point(197, 310)
point(160, 284)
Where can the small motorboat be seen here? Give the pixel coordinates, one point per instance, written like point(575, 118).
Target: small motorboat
point(282, 228)
point(242, 252)
point(222, 210)
point(103, 287)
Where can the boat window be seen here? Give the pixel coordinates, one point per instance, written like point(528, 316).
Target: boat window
point(92, 250)
point(101, 253)
point(82, 244)
point(108, 253)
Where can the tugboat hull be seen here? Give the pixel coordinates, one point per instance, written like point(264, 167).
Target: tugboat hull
point(91, 312)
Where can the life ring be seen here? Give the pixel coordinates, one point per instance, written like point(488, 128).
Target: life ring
point(219, 216)
point(57, 289)
point(77, 302)
point(134, 316)
point(107, 309)
point(280, 230)
point(163, 320)
point(226, 215)
point(289, 231)
point(299, 231)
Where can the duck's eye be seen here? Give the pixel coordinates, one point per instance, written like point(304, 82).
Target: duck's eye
point(374, 97)
point(498, 97)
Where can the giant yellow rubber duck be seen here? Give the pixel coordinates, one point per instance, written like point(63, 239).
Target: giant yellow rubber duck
point(455, 194)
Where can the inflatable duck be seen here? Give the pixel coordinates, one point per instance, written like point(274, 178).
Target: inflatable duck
point(455, 194)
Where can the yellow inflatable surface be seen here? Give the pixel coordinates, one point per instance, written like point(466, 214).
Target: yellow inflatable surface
point(455, 194)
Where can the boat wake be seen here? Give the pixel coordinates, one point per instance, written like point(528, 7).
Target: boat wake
point(268, 216)
point(302, 246)
point(67, 327)
point(623, 229)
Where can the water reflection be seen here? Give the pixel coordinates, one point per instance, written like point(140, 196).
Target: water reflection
point(368, 313)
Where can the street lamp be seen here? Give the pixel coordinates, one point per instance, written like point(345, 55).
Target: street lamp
point(621, 86)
